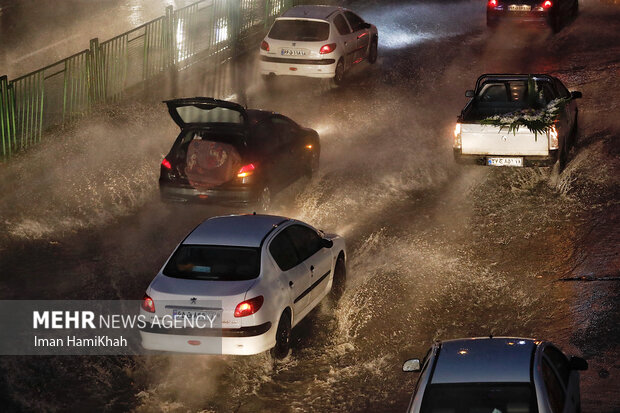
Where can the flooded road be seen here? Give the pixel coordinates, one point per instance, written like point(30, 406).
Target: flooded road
point(436, 250)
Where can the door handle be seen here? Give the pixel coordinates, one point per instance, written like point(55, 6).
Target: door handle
point(290, 284)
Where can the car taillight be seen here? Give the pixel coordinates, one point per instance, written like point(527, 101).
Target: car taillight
point(547, 4)
point(166, 164)
point(246, 170)
point(554, 142)
point(492, 3)
point(328, 48)
point(264, 46)
point(148, 304)
point(457, 136)
point(249, 307)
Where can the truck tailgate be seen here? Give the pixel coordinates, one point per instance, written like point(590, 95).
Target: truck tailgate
point(490, 140)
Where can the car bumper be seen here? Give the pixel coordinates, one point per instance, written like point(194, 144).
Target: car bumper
point(548, 160)
point(238, 341)
point(321, 68)
point(242, 195)
point(540, 17)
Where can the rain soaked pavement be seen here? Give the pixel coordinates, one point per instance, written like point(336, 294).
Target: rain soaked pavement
point(436, 251)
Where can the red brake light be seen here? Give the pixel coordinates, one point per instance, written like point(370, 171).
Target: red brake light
point(492, 3)
point(148, 304)
point(264, 46)
point(328, 48)
point(249, 307)
point(246, 170)
point(166, 164)
point(547, 4)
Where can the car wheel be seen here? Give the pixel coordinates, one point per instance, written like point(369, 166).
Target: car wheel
point(264, 199)
point(576, 8)
point(340, 278)
point(556, 23)
point(283, 337)
point(372, 53)
point(339, 75)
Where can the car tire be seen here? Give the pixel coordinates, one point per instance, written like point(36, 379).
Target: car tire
point(575, 10)
point(263, 203)
point(340, 279)
point(283, 337)
point(373, 52)
point(491, 23)
point(339, 74)
point(556, 23)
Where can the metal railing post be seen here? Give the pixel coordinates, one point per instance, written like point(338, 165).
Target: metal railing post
point(169, 33)
point(95, 71)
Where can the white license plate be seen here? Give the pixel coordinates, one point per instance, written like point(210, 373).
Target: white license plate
point(205, 315)
point(293, 52)
point(519, 7)
point(505, 161)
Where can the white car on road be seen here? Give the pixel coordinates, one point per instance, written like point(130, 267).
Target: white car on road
point(257, 276)
point(317, 41)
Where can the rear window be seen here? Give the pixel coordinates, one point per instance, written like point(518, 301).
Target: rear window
point(479, 397)
point(299, 30)
point(196, 114)
point(207, 262)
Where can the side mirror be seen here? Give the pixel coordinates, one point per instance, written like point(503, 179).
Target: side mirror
point(470, 94)
point(577, 363)
point(327, 243)
point(366, 25)
point(575, 95)
point(411, 365)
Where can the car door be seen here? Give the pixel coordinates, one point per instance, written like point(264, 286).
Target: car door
point(295, 274)
point(290, 149)
point(348, 39)
point(309, 246)
point(272, 158)
point(567, 377)
point(361, 30)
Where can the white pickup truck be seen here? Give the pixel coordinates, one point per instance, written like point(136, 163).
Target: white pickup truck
point(482, 134)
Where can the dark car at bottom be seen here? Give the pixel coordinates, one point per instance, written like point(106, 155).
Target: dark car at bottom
point(227, 154)
point(496, 375)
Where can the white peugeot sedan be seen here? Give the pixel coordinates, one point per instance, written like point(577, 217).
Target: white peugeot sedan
point(257, 276)
point(496, 375)
point(317, 41)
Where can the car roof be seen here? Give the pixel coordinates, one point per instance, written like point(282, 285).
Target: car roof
point(484, 360)
point(311, 11)
point(234, 230)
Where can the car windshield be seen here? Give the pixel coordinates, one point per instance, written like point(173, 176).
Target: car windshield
point(206, 262)
point(299, 30)
point(479, 397)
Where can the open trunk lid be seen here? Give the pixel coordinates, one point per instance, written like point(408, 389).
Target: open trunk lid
point(202, 111)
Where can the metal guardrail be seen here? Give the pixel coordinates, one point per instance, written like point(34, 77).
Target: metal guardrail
point(67, 89)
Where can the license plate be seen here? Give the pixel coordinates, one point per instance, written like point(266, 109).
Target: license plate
point(505, 161)
point(293, 52)
point(205, 315)
point(519, 7)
